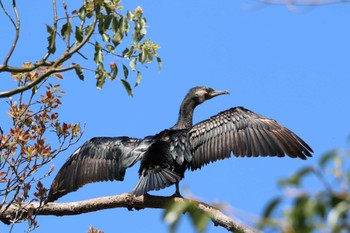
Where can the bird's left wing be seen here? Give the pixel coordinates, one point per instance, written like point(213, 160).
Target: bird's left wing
point(99, 159)
point(244, 133)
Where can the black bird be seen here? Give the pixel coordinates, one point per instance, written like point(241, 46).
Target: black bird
point(166, 156)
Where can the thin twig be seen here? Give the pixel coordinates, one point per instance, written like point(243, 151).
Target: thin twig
point(54, 5)
point(17, 26)
point(7, 14)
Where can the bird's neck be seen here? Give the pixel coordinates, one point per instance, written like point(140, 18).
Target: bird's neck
point(185, 114)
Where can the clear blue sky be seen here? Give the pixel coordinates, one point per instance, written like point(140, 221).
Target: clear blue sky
point(290, 66)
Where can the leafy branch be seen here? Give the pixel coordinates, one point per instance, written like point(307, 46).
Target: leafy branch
point(326, 209)
point(96, 22)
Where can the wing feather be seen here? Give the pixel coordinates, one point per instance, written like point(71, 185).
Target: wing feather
point(99, 159)
point(244, 133)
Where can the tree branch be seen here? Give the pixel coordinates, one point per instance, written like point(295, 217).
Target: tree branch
point(35, 82)
point(50, 50)
point(17, 27)
point(66, 55)
point(125, 200)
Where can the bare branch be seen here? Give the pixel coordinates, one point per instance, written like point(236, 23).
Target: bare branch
point(17, 26)
point(125, 200)
point(7, 14)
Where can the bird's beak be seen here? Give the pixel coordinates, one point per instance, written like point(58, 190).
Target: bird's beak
point(217, 92)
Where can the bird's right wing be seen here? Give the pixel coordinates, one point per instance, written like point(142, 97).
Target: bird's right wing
point(244, 133)
point(99, 159)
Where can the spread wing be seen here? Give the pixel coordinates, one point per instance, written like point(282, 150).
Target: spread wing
point(244, 133)
point(99, 159)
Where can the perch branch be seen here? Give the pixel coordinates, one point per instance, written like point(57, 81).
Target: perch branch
point(125, 200)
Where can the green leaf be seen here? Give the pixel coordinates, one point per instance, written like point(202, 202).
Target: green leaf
point(137, 36)
point(87, 30)
point(98, 56)
point(150, 57)
point(296, 178)
point(105, 37)
point(117, 38)
point(79, 71)
point(271, 206)
point(199, 218)
point(132, 64)
point(101, 28)
point(34, 90)
point(124, 25)
point(129, 15)
point(127, 86)
point(126, 71)
point(66, 30)
point(107, 8)
point(110, 48)
point(100, 79)
point(115, 24)
point(139, 78)
point(128, 52)
point(100, 76)
point(82, 13)
point(327, 157)
point(107, 21)
point(51, 39)
point(160, 65)
point(173, 213)
point(336, 215)
point(143, 56)
point(78, 34)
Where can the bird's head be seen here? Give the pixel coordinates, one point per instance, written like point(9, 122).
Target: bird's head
point(194, 97)
point(201, 94)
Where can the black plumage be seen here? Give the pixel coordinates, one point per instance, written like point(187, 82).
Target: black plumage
point(166, 156)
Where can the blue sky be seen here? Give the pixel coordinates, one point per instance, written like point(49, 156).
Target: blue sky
point(290, 66)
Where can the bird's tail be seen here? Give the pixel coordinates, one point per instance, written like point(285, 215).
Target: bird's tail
point(155, 180)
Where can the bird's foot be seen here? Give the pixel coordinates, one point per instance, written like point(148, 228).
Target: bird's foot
point(177, 194)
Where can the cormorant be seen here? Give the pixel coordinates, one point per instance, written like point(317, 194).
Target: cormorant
point(165, 156)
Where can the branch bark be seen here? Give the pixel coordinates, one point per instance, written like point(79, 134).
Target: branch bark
point(125, 200)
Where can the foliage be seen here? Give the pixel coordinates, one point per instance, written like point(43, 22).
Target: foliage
point(98, 24)
point(37, 134)
point(174, 211)
point(325, 210)
point(25, 148)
